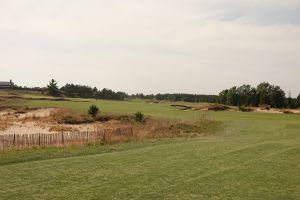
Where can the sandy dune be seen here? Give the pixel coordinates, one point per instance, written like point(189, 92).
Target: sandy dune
point(33, 121)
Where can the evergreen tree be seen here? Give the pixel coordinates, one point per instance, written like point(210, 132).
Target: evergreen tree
point(53, 88)
point(298, 101)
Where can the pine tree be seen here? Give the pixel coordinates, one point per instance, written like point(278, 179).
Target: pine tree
point(53, 88)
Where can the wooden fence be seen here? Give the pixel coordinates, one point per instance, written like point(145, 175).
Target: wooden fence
point(19, 141)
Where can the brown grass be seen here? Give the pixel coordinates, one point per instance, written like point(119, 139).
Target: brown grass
point(5, 125)
point(149, 128)
point(154, 127)
point(62, 129)
point(65, 116)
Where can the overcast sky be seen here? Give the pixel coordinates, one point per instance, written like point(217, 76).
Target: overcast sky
point(151, 46)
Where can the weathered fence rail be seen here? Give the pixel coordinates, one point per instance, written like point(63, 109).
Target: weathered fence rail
point(19, 141)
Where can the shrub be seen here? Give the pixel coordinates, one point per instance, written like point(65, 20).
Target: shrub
point(217, 107)
point(287, 112)
point(139, 117)
point(245, 109)
point(265, 106)
point(93, 110)
point(53, 88)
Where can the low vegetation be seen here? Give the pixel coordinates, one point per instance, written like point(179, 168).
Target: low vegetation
point(93, 110)
point(218, 107)
point(245, 109)
point(67, 116)
point(139, 117)
point(144, 127)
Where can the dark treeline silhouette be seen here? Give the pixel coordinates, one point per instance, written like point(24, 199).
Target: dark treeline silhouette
point(82, 91)
point(245, 95)
point(179, 97)
point(263, 94)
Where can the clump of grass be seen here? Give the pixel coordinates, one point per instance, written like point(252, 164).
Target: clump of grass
point(139, 117)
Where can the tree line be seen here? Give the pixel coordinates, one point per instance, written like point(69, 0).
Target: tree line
point(179, 97)
point(82, 91)
point(263, 94)
point(245, 95)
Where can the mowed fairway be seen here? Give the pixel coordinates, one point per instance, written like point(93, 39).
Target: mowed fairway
point(254, 156)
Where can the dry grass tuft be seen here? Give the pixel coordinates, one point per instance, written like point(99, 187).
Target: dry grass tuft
point(62, 129)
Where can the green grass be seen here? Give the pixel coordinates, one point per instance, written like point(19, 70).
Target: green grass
point(254, 156)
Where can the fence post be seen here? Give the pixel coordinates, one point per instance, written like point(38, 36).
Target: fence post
point(39, 139)
point(62, 138)
point(14, 139)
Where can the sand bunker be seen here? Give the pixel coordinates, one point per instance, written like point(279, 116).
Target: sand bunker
point(37, 121)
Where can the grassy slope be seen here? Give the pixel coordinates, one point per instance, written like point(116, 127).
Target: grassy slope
point(255, 156)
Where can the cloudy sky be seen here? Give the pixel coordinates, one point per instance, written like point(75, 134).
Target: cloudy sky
point(151, 46)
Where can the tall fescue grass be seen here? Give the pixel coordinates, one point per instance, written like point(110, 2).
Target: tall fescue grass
point(65, 116)
point(155, 127)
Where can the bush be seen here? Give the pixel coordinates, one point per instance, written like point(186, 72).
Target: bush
point(265, 106)
point(217, 107)
point(93, 110)
point(139, 117)
point(245, 109)
point(287, 112)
